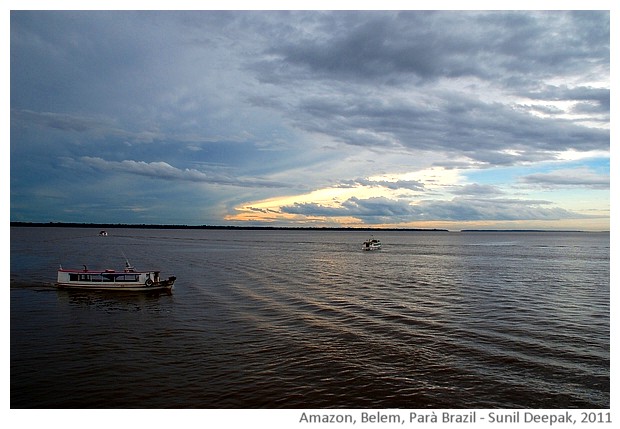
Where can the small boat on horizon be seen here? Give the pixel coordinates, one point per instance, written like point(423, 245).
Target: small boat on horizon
point(126, 280)
point(371, 244)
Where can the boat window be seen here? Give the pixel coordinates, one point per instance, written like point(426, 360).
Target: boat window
point(127, 277)
point(104, 277)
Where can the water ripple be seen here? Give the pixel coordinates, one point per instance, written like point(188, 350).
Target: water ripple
point(274, 319)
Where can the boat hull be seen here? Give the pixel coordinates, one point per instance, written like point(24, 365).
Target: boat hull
point(372, 244)
point(370, 248)
point(128, 287)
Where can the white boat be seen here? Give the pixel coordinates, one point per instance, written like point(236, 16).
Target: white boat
point(126, 280)
point(371, 244)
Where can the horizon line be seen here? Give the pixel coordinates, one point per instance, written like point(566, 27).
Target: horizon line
point(258, 227)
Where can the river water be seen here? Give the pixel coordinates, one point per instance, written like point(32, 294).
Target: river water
point(306, 319)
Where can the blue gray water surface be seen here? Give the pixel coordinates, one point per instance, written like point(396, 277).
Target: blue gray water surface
point(306, 319)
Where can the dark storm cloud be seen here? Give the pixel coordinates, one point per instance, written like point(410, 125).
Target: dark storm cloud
point(382, 210)
point(373, 210)
point(105, 127)
point(430, 45)
point(581, 178)
point(85, 57)
point(77, 124)
point(165, 171)
point(456, 125)
point(345, 53)
point(588, 100)
point(468, 209)
point(561, 93)
point(64, 122)
point(413, 185)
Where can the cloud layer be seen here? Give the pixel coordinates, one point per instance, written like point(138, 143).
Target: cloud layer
point(407, 116)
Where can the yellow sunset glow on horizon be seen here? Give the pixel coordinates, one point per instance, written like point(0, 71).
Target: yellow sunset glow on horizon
point(415, 191)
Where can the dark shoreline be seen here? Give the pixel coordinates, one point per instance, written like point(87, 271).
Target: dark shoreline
point(172, 226)
point(267, 228)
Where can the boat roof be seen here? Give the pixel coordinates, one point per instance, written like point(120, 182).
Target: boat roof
point(108, 271)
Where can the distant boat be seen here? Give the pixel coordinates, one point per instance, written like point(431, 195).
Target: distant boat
point(371, 244)
point(103, 233)
point(126, 280)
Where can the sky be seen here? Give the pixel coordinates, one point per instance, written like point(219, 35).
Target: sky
point(401, 119)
